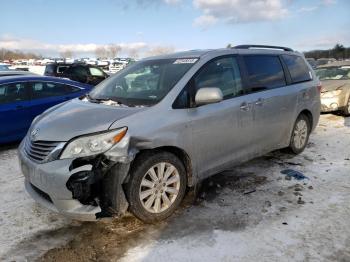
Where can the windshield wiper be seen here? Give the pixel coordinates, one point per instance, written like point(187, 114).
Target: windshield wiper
point(104, 100)
point(89, 98)
point(96, 100)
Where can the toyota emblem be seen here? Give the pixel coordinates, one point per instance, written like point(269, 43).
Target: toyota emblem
point(34, 133)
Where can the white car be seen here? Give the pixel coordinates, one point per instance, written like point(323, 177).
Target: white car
point(46, 61)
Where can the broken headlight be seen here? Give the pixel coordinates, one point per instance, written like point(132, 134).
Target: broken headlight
point(92, 144)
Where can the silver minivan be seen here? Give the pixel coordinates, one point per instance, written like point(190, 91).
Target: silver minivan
point(144, 135)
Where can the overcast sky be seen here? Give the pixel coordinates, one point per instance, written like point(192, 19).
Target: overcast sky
point(50, 27)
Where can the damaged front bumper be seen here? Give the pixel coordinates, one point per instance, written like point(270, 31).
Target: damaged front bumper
point(84, 189)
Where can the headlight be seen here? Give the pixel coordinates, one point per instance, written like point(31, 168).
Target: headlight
point(331, 93)
point(93, 144)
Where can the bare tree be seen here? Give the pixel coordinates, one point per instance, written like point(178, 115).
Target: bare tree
point(66, 54)
point(6, 54)
point(160, 50)
point(113, 50)
point(133, 53)
point(101, 52)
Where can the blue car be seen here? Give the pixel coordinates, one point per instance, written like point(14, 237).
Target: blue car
point(22, 98)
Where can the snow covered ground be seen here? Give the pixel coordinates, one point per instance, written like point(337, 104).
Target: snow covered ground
point(249, 213)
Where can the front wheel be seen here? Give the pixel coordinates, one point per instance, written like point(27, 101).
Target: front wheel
point(156, 186)
point(300, 134)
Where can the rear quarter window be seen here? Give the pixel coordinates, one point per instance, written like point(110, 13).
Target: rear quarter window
point(96, 71)
point(299, 71)
point(264, 72)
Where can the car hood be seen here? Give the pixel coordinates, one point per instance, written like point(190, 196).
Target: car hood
point(75, 118)
point(330, 85)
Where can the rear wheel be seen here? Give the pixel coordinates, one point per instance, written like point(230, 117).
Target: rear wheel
point(156, 186)
point(300, 134)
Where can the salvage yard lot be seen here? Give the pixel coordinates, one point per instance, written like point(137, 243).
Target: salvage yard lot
point(249, 213)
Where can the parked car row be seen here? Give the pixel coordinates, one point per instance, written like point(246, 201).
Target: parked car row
point(108, 65)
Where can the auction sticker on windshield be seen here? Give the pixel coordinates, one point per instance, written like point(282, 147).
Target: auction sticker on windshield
point(186, 61)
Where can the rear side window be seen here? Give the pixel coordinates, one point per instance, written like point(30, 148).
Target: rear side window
point(49, 69)
point(10, 93)
point(264, 72)
point(79, 70)
point(45, 89)
point(297, 68)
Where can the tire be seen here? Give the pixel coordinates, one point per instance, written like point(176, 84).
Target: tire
point(346, 111)
point(300, 138)
point(145, 205)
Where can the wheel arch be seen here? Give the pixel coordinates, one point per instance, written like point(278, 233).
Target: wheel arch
point(178, 152)
point(309, 115)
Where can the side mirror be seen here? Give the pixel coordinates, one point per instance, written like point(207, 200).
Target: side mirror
point(208, 95)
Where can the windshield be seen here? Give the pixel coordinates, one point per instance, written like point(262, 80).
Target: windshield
point(333, 73)
point(143, 83)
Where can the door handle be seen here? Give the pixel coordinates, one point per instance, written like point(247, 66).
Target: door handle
point(259, 102)
point(245, 106)
point(19, 107)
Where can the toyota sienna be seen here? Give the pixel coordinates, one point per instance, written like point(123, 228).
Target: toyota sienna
point(144, 135)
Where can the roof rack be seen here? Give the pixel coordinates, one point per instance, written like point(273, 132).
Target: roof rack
point(263, 47)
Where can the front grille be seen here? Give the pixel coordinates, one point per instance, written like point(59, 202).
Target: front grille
point(39, 150)
point(41, 193)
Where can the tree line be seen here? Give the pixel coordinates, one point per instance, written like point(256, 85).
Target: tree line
point(6, 54)
point(337, 52)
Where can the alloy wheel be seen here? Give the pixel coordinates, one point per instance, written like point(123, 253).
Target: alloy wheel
point(300, 134)
point(159, 187)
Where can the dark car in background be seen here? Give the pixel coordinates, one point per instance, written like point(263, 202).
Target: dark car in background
point(55, 69)
point(83, 73)
point(22, 98)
